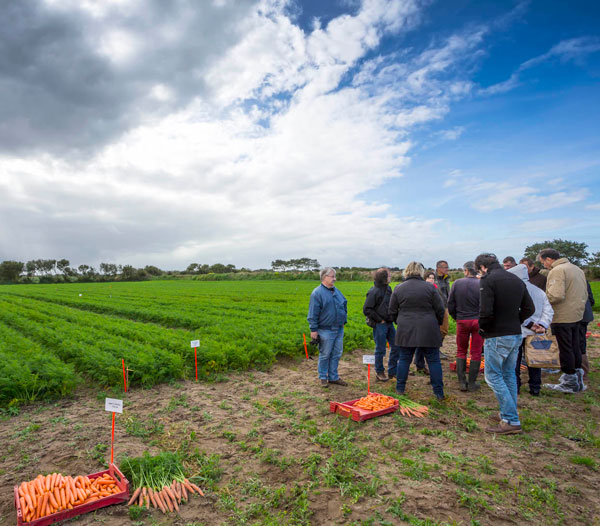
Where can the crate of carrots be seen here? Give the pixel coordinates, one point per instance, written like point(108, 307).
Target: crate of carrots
point(54, 497)
point(370, 406)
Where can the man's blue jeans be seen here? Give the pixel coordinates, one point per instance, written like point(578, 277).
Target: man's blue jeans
point(500, 360)
point(432, 355)
point(385, 333)
point(331, 347)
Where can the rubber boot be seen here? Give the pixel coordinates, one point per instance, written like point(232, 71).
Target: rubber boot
point(580, 375)
point(461, 367)
point(585, 365)
point(473, 372)
point(568, 383)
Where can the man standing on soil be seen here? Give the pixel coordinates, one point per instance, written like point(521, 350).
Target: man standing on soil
point(567, 292)
point(535, 276)
point(376, 307)
point(463, 306)
point(442, 280)
point(504, 304)
point(509, 262)
point(327, 315)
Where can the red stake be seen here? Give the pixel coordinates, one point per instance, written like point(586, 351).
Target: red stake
point(196, 360)
point(124, 378)
point(112, 441)
point(368, 378)
point(305, 349)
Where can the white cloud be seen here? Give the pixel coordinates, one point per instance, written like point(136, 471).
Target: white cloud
point(538, 226)
point(575, 49)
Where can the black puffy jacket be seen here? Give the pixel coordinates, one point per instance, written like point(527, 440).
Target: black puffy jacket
point(504, 303)
point(418, 310)
point(377, 302)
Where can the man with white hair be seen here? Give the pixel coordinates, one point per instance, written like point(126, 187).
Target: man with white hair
point(327, 315)
point(536, 324)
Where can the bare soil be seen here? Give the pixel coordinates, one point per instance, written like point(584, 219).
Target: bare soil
point(266, 428)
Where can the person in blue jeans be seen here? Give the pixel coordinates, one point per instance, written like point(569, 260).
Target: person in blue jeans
point(504, 304)
point(418, 310)
point(327, 315)
point(376, 308)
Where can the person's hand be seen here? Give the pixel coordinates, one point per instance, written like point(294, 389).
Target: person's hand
point(538, 329)
point(314, 335)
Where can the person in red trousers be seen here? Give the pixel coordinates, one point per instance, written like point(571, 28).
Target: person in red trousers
point(463, 306)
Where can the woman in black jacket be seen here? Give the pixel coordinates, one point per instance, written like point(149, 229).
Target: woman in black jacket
point(418, 310)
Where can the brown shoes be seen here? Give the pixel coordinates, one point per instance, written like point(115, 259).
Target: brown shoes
point(504, 428)
point(324, 384)
point(339, 381)
point(381, 377)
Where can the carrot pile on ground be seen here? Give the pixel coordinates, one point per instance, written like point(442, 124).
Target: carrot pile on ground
point(375, 402)
point(159, 480)
point(168, 498)
point(45, 495)
point(409, 408)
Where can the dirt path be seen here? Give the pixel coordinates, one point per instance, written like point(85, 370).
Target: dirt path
point(269, 452)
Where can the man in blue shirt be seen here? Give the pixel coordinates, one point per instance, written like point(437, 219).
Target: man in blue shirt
point(327, 315)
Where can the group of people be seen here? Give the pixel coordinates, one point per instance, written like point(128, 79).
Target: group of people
point(496, 308)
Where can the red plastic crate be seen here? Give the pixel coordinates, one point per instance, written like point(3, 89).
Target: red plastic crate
point(359, 414)
point(116, 498)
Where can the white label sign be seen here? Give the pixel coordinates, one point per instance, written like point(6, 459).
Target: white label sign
point(195, 343)
point(369, 359)
point(113, 405)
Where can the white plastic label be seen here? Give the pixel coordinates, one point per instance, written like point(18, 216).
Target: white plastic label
point(369, 359)
point(113, 405)
point(195, 343)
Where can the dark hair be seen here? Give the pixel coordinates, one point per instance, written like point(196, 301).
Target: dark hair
point(440, 262)
point(509, 259)
point(528, 261)
point(429, 273)
point(469, 266)
point(485, 260)
point(549, 253)
point(380, 276)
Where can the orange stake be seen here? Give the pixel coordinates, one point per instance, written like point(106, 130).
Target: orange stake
point(305, 348)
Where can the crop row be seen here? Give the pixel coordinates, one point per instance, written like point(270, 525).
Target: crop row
point(28, 372)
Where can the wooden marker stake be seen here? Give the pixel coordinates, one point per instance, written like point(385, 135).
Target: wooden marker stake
point(305, 348)
point(113, 406)
point(124, 375)
point(368, 359)
point(112, 441)
point(195, 344)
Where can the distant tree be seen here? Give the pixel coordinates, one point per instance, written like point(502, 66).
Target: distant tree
point(62, 265)
point(152, 270)
point(575, 252)
point(203, 269)
point(31, 267)
point(11, 270)
point(108, 269)
point(594, 260)
point(219, 268)
point(279, 265)
point(128, 273)
point(192, 268)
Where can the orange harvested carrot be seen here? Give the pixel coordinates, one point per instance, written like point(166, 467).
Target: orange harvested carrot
point(134, 496)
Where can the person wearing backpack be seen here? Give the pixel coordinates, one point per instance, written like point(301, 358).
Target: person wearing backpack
point(375, 309)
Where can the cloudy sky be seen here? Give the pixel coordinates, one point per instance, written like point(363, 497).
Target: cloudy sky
point(354, 132)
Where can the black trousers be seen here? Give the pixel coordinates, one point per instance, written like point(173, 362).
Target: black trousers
point(567, 337)
point(535, 373)
point(583, 325)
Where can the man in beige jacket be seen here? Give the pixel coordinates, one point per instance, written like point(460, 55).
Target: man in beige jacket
point(566, 289)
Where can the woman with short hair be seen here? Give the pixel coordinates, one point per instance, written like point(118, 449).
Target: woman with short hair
point(418, 311)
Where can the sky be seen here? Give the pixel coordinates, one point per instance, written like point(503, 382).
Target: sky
point(366, 133)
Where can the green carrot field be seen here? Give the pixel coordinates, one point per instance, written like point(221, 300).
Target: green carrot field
point(53, 337)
